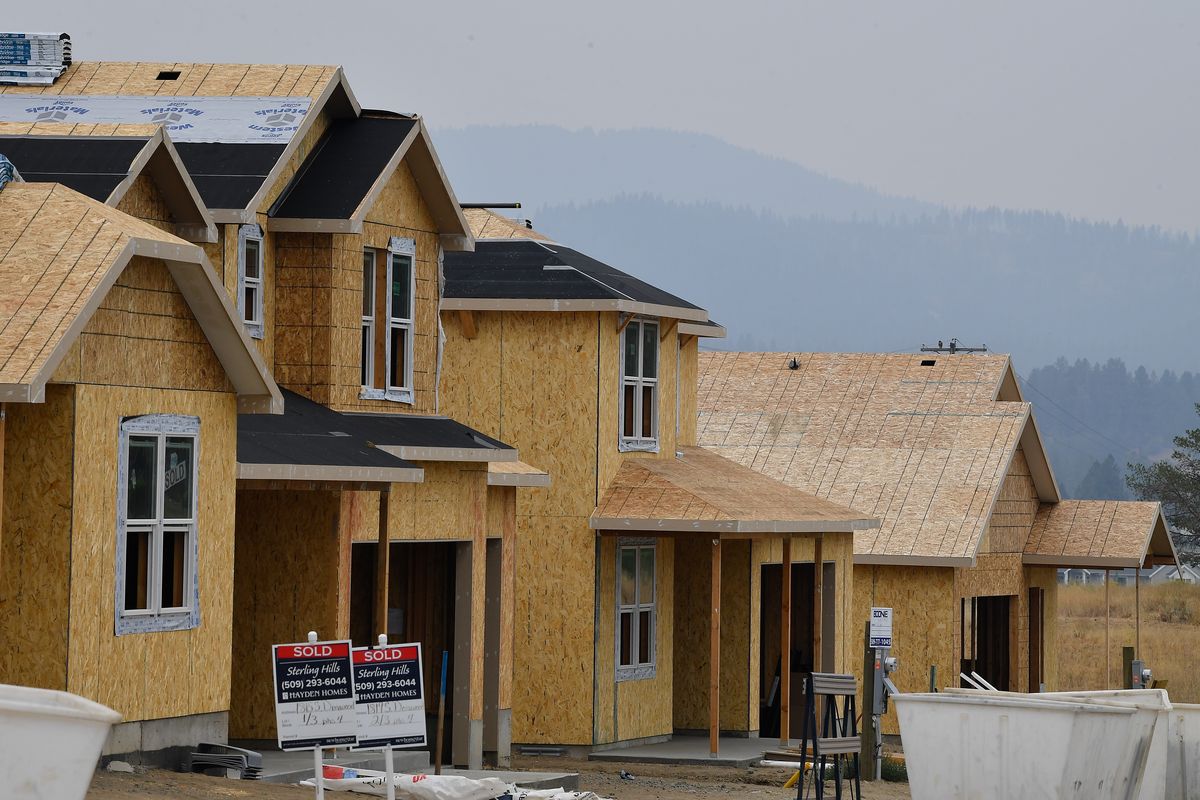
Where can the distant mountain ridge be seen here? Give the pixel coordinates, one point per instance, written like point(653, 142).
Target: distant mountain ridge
point(543, 165)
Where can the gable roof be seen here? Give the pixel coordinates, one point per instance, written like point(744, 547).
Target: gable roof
point(926, 448)
point(105, 167)
point(60, 253)
point(232, 180)
point(487, 224)
point(1109, 534)
point(529, 275)
point(700, 491)
point(343, 176)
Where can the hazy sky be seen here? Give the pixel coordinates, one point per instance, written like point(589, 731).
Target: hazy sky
point(1085, 106)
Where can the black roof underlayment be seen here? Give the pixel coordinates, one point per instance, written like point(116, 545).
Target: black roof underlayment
point(527, 269)
point(227, 175)
point(346, 163)
point(90, 165)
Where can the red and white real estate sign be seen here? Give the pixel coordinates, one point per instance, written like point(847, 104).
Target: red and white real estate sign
point(390, 696)
point(314, 695)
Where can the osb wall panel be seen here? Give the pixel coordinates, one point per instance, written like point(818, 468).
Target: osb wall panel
point(1016, 506)
point(471, 387)
point(303, 320)
point(836, 549)
point(144, 201)
point(148, 676)
point(35, 543)
point(993, 574)
point(642, 708)
point(400, 210)
point(555, 591)
point(435, 509)
point(924, 627)
point(285, 577)
point(215, 252)
point(688, 376)
point(693, 621)
point(144, 334)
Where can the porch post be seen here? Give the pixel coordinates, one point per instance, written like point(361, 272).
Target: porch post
point(508, 566)
point(818, 604)
point(714, 656)
point(785, 647)
point(1107, 627)
point(1137, 611)
point(478, 528)
point(382, 566)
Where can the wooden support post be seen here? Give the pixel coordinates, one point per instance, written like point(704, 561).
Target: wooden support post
point(714, 656)
point(342, 534)
point(1108, 682)
point(785, 647)
point(1127, 656)
point(467, 321)
point(818, 603)
point(508, 567)
point(382, 565)
point(478, 525)
point(1137, 612)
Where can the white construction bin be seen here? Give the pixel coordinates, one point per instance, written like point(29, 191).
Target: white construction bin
point(1183, 752)
point(998, 746)
point(49, 743)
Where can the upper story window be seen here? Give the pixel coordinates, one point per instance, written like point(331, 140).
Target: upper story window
point(157, 550)
point(636, 611)
point(389, 287)
point(250, 278)
point(639, 386)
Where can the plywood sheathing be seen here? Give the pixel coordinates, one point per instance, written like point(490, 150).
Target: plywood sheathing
point(144, 201)
point(8, 128)
point(226, 80)
point(687, 360)
point(36, 546)
point(154, 675)
point(924, 448)
point(1096, 533)
point(144, 334)
point(56, 249)
point(319, 297)
point(700, 486)
point(486, 224)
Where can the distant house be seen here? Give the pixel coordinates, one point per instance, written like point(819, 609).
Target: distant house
point(1163, 573)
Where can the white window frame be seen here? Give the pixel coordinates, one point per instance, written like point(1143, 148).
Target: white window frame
point(397, 247)
point(156, 618)
point(641, 668)
point(367, 363)
point(639, 441)
point(251, 317)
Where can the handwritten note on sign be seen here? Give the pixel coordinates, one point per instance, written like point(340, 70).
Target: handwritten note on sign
point(390, 705)
point(314, 695)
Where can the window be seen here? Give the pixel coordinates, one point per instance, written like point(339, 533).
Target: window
point(635, 611)
point(157, 587)
point(250, 278)
point(389, 287)
point(639, 386)
point(368, 319)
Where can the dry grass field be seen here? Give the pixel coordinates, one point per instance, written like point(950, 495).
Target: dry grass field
point(1170, 636)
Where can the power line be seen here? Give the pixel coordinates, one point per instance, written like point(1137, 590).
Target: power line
point(1066, 411)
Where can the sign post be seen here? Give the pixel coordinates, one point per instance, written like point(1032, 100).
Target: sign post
point(314, 698)
point(389, 700)
point(879, 633)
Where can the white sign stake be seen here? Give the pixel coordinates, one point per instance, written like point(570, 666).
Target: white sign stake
point(318, 767)
point(387, 751)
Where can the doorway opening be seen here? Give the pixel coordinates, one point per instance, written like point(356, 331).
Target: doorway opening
point(984, 634)
point(801, 660)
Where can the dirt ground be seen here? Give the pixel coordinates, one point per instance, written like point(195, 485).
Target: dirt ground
point(651, 782)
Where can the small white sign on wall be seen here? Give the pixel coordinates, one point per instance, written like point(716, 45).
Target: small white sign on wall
point(881, 627)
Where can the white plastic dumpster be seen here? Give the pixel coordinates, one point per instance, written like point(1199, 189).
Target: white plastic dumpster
point(995, 746)
point(49, 743)
point(1183, 752)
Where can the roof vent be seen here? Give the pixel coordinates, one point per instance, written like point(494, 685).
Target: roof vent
point(168, 75)
point(33, 59)
point(928, 362)
point(793, 364)
point(7, 172)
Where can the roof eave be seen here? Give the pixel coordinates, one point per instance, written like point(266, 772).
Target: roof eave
point(727, 526)
point(880, 559)
point(325, 472)
point(416, 453)
point(710, 331)
point(567, 305)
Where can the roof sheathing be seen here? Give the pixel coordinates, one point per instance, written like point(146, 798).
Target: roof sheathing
point(1110, 534)
point(926, 448)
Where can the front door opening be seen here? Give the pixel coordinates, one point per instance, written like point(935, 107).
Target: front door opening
point(985, 638)
point(802, 661)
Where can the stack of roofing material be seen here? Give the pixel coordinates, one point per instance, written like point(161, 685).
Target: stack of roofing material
point(33, 59)
point(984, 744)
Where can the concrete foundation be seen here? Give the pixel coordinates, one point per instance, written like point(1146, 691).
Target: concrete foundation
point(164, 742)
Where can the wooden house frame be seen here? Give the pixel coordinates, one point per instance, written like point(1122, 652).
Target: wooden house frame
point(320, 529)
point(534, 338)
point(945, 450)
